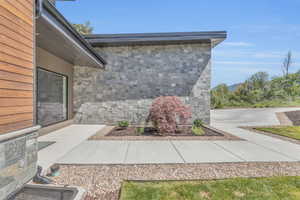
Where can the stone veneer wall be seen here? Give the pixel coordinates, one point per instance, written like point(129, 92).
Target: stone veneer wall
point(18, 158)
point(135, 75)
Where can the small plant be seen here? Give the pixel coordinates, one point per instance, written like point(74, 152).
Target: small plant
point(167, 112)
point(197, 130)
point(123, 124)
point(197, 127)
point(198, 123)
point(140, 130)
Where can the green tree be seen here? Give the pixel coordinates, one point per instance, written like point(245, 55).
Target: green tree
point(259, 91)
point(84, 29)
point(258, 80)
point(243, 92)
point(287, 62)
point(219, 96)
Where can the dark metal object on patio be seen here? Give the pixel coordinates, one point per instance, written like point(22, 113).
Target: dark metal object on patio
point(38, 178)
point(54, 170)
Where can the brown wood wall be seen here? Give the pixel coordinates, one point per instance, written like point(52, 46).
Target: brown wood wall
point(16, 64)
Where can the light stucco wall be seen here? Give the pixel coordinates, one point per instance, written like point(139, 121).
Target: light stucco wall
point(135, 75)
point(48, 61)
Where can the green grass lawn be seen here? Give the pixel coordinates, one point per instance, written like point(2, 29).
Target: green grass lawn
point(288, 131)
point(274, 188)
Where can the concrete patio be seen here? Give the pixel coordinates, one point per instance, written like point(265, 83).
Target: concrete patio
point(65, 140)
point(256, 148)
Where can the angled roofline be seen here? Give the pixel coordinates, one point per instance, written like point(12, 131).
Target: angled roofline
point(45, 4)
point(99, 40)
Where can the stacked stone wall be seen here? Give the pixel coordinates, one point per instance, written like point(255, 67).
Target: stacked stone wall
point(135, 75)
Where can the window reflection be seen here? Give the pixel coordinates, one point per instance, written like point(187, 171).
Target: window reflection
point(51, 97)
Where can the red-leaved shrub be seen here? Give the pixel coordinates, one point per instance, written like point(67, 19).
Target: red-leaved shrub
point(166, 112)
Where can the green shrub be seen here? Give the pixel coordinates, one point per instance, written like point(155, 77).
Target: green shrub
point(198, 123)
point(140, 130)
point(218, 105)
point(123, 124)
point(197, 130)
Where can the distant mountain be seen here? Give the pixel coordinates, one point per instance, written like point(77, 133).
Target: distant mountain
point(233, 87)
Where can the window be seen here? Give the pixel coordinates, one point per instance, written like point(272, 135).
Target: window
point(52, 97)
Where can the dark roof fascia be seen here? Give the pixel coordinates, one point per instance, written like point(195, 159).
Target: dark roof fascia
point(155, 38)
point(59, 17)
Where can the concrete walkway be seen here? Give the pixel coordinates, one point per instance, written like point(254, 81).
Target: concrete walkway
point(257, 148)
point(65, 140)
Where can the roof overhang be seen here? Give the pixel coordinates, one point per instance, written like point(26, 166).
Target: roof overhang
point(103, 40)
point(56, 35)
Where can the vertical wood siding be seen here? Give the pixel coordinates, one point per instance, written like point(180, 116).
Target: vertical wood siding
point(16, 64)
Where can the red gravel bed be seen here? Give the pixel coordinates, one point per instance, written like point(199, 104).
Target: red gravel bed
point(150, 131)
point(113, 133)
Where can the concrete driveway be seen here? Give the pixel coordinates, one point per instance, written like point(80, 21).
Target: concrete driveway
point(231, 120)
point(247, 117)
point(256, 148)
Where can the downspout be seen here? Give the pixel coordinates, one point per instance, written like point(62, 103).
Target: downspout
point(39, 8)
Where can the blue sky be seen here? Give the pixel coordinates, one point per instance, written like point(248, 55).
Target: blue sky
point(260, 32)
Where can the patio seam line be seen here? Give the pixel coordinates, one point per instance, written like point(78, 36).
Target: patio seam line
point(228, 151)
point(177, 150)
point(58, 141)
point(56, 161)
point(285, 155)
point(126, 152)
point(73, 148)
point(275, 151)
